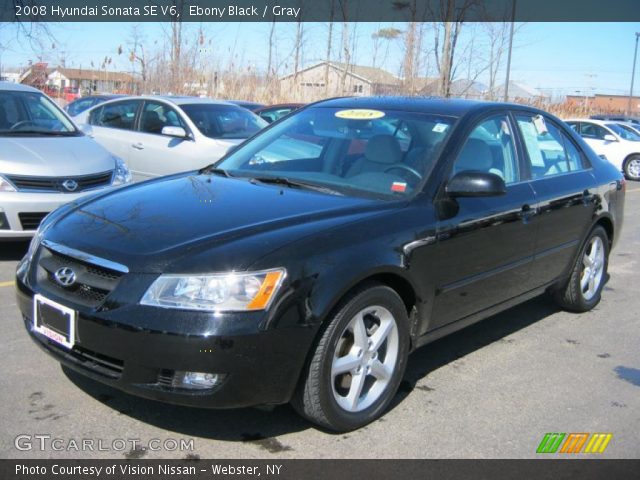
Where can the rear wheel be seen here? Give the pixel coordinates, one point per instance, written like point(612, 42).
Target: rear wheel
point(582, 291)
point(358, 363)
point(632, 168)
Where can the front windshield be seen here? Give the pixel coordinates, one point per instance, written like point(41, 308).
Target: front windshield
point(623, 132)
point(626, 132)
point(379, 153)
point(31, 113)
point(223, 121)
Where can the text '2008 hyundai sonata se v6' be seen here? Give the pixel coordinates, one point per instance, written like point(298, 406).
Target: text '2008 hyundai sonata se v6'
point(308, 276)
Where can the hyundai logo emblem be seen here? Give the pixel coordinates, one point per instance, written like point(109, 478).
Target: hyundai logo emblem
point(70, 185)
point(65, 276)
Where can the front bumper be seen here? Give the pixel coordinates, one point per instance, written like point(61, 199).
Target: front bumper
point(261, 366)
point(32, 207)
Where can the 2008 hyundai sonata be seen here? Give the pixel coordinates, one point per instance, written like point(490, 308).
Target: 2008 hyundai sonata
point(308, 277)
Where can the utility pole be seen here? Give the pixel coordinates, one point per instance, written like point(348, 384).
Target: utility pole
point(633, 74)
point(506, 83)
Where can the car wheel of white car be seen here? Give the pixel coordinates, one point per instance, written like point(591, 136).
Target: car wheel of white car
point(632, 167)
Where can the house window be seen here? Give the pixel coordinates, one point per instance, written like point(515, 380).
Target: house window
point(357, 89)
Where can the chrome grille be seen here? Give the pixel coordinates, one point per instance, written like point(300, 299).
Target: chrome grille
point(56, 184)
point(93, 282)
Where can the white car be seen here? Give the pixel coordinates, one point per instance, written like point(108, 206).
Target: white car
point(608, 139)
point(45, 161)
point(164, 135)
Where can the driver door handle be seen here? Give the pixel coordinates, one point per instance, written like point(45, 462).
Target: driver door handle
point(138, 146)
point(526, 212)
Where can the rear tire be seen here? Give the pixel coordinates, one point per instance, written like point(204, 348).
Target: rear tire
point(358, 363)
point(632, 168)
point(589, 274)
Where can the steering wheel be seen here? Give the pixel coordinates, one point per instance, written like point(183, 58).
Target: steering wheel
point(406, 168)
point(15, 126)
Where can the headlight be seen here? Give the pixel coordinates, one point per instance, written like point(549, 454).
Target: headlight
point(219, 292)
point(122, 174)
point(5, 186)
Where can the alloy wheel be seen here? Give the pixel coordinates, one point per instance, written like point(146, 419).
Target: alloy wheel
point(365, 358)
point(633, 168)
point(592, 268)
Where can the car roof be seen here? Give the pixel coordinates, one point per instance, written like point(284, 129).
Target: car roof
point(16, 87)
point(590, 120)
point(281, 105)
point(174, 99)
point(434, 105)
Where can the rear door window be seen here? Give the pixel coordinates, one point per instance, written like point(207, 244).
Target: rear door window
point(120, 115)
point(550, 151)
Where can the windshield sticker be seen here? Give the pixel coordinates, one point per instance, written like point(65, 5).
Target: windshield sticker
point(358, 114)
point(440, 127)
point(398, 187)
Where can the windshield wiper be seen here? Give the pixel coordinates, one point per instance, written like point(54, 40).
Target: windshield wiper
point(216, 171)
point(293, 184)
point(39, 132)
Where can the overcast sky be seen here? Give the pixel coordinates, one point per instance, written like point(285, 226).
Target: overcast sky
point(566, 58)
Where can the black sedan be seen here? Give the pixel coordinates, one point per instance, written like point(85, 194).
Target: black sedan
point(309, 276)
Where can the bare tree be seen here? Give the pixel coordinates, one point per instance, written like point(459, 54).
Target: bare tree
point(138, 55)
point(446, 36)
point(346, 53)
point(497, 34)
point(329, 46)
point(386, 35)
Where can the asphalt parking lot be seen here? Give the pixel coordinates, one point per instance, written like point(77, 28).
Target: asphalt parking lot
point(490, 391)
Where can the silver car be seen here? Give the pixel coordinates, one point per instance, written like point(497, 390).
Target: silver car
point(162, 135)
point(45, 161)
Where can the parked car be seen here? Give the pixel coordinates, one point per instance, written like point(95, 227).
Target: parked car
point(164, 135)
point(617, 118)
point(310, 279)
point(45, 161)
point(276, 112)
point(632, 127)
point(252, 106)
point(81, 104)
point(609, 140)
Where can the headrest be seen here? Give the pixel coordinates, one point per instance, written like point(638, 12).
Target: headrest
point(383, 149)
point(475, 155)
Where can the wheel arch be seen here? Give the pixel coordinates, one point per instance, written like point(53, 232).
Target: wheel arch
point(607, 223)
point(390, 277)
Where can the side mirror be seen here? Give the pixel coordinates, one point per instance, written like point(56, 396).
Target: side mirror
point(471, 183)
point(177, 132)
point(609, 138)
point(87, 129)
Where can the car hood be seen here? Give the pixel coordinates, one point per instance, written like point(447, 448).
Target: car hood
point(151, 226)
point(53, 156)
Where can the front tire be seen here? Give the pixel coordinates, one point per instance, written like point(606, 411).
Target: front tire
point(583, 290)
point(358, 362)
point(632, 168)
